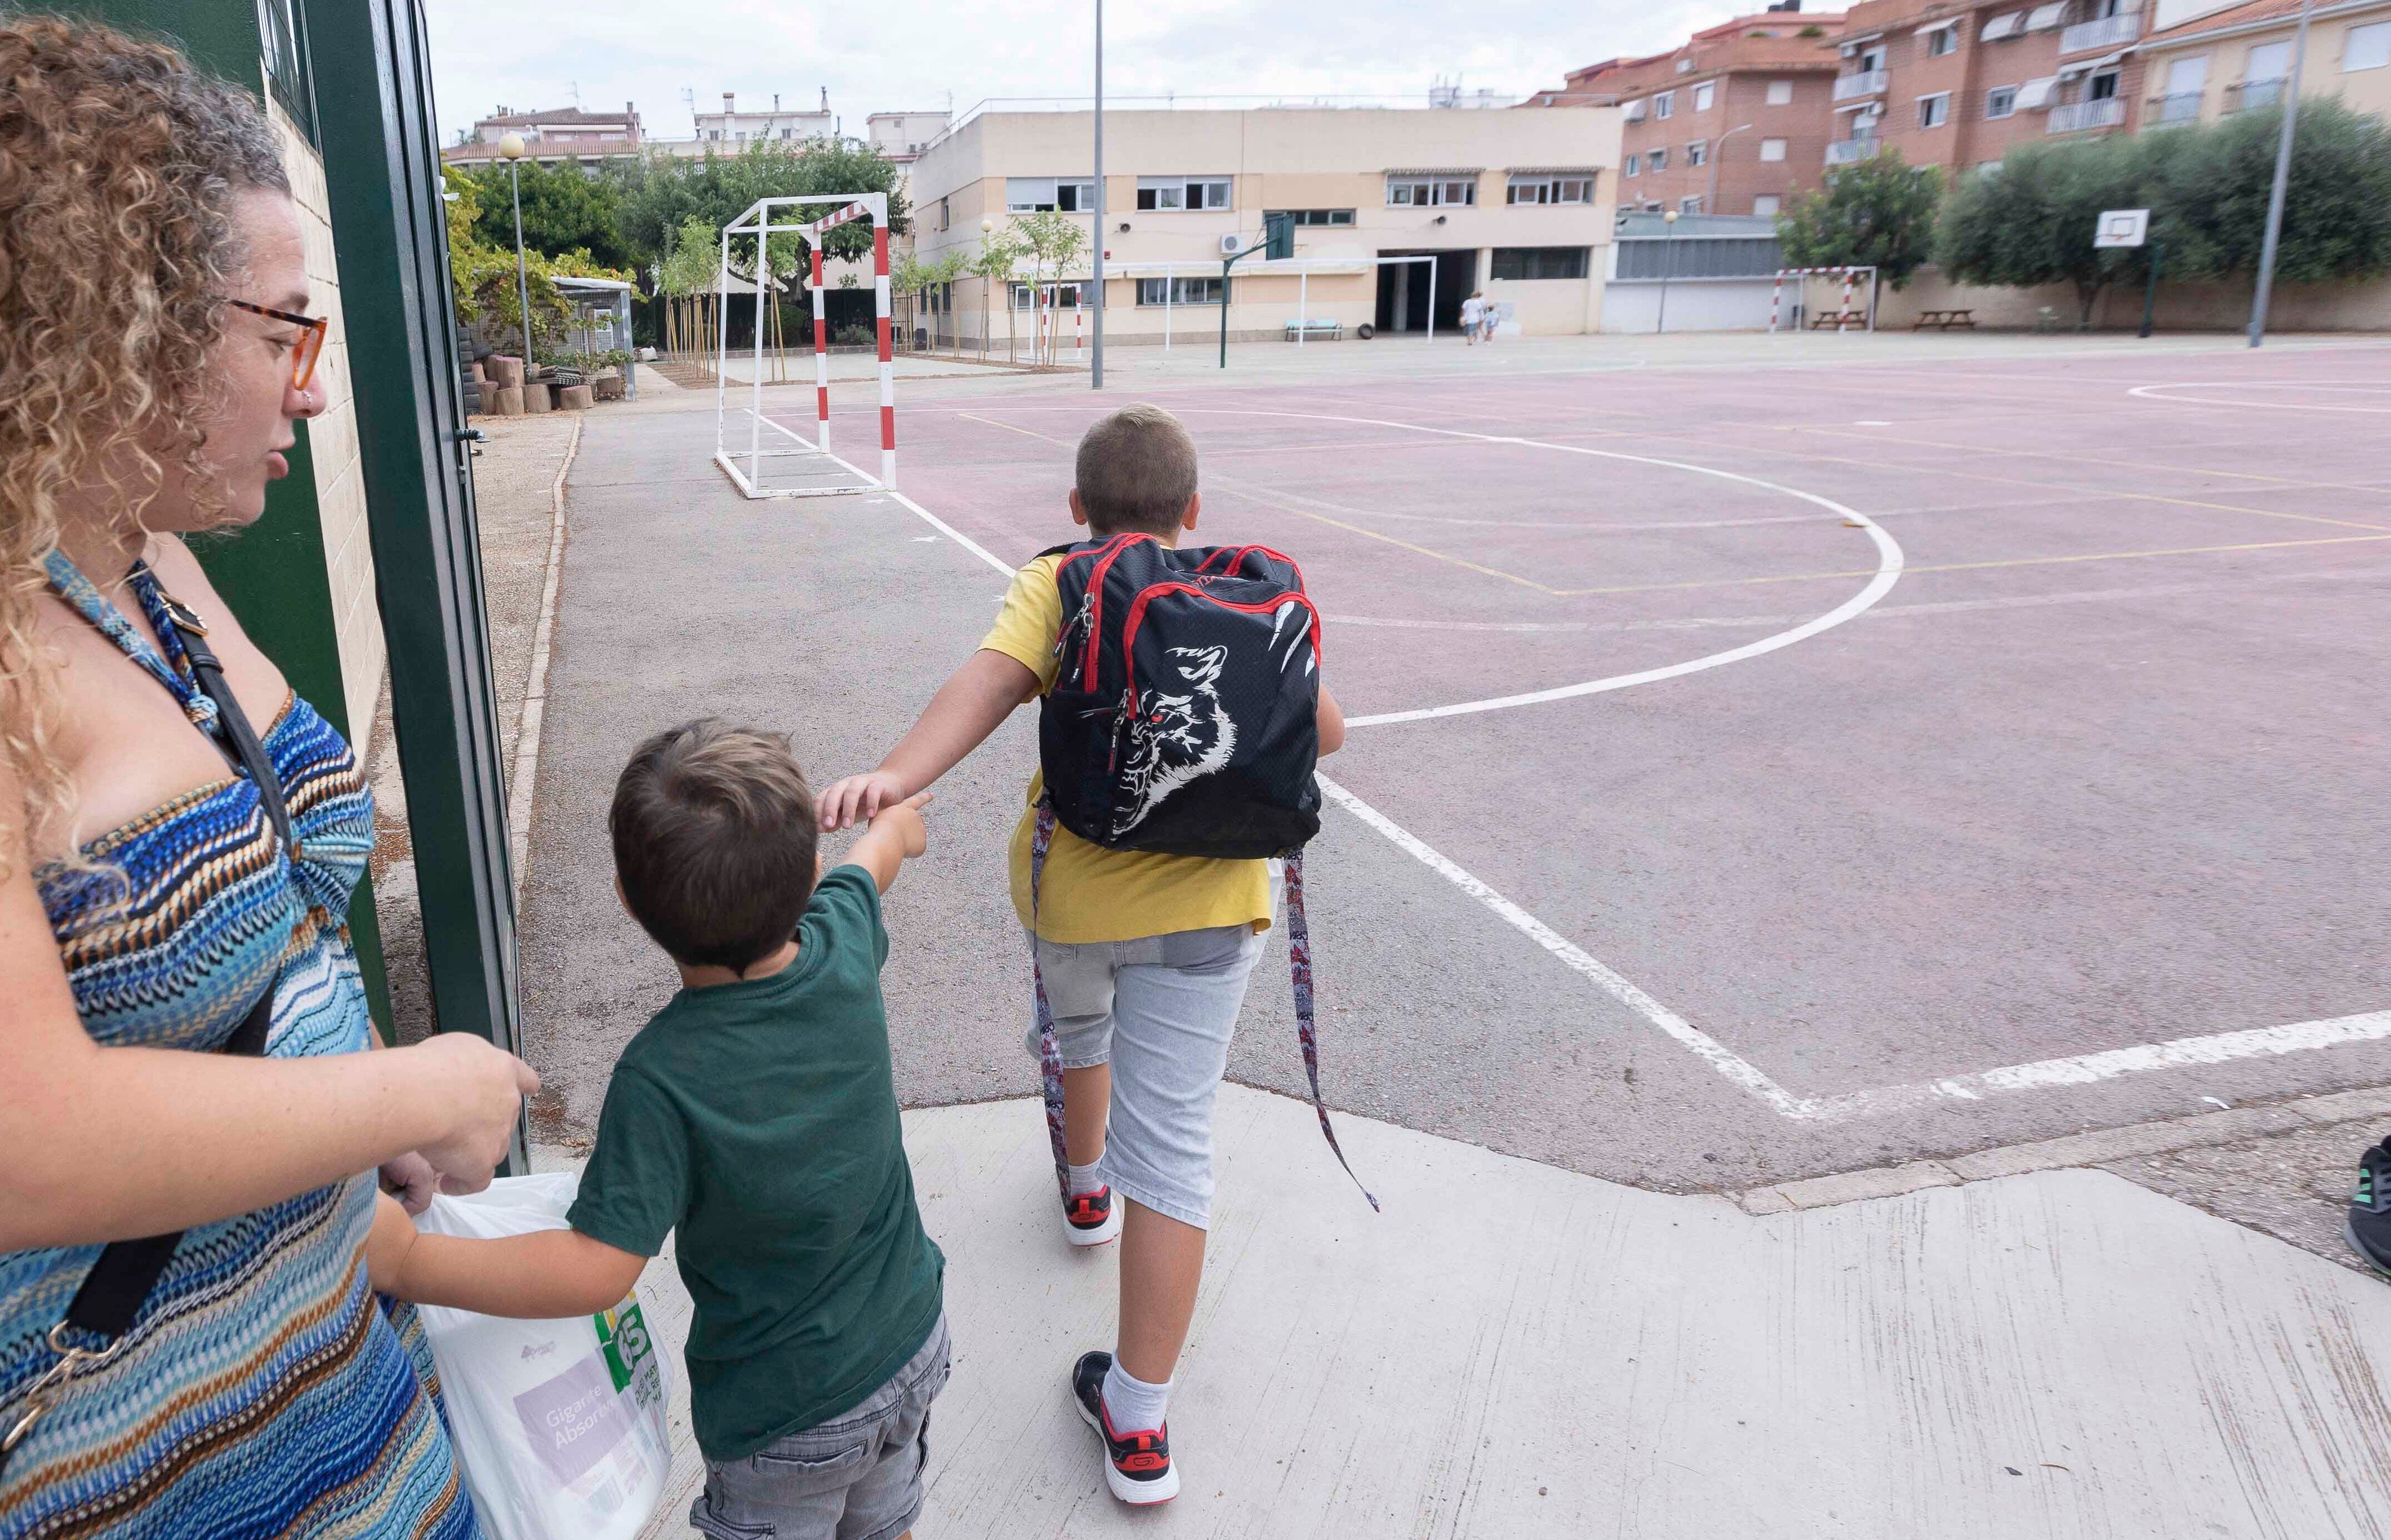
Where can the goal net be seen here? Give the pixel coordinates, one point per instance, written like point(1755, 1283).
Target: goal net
point(775, 460)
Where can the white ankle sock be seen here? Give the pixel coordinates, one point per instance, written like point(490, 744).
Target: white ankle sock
point(1084, 1178)
point(1134, 1406)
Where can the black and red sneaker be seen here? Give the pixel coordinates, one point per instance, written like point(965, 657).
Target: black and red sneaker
point(1091, 1218)
point(1137, 1465)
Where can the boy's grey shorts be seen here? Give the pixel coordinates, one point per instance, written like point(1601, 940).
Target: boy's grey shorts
point(856, 1477)
point(1159, 1010)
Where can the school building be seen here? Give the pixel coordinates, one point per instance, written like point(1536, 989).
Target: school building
point(1397, 214)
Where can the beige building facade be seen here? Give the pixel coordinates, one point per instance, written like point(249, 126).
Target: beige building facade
point(2239, 56)
point(1515, 203)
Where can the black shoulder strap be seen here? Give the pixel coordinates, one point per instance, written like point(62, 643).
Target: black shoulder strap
point(111, 1294)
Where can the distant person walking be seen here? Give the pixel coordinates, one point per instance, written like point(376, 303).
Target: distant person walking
point(1473, 316)
point(182, 1026)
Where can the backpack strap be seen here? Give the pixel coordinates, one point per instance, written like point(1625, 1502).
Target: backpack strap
point(1298, 963)
point(113, 1292)
point(1050, 1055)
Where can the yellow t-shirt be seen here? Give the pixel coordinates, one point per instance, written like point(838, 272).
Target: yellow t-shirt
point(1090, 894)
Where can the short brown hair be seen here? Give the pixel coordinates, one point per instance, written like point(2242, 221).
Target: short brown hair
point(1136, 472)
point(714, 842)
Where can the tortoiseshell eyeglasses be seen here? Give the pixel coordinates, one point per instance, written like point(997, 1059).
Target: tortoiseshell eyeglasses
point(310, 346)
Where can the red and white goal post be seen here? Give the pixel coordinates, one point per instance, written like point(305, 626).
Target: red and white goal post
point(1844, 317)
point(758, 224)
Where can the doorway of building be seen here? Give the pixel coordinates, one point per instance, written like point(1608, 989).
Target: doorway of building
point(1411, 292)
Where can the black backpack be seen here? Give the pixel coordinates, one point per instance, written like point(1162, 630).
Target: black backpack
point(1183, 718)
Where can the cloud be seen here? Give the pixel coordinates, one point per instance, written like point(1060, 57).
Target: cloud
point(917, 54)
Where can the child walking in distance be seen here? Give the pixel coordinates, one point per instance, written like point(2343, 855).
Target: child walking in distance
point(755, 1118)
point(1142, 954)
point(1473, 317)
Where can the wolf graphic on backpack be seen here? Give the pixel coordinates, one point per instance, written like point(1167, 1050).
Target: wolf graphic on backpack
point(1184, 712)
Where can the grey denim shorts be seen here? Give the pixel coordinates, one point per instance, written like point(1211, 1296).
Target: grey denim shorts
point(856, 1477)
point(1160, 1011)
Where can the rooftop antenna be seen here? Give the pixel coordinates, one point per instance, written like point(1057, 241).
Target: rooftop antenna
point(577, 96)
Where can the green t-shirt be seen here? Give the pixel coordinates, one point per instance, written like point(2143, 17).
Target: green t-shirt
point(759, 1119)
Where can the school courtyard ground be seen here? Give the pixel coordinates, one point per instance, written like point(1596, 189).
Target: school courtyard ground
point(1849, 929)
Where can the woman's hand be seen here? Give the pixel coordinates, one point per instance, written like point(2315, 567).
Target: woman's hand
point(484, 1087)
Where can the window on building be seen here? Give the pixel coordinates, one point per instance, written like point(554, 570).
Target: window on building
point(1424, 192)
point(2102, 88)
point(2268, 61)
point(1772, 149)
point(1689, 205)
point(1780, 93)
point(1520, 262)
point(1766, 203)
point(713, 134)
point(1697, 152)
point(2367, 48)
point(1936, 111)
point(1664, 105)
point(1575, 187)
point(946, 215)
point(1066, 296)
point(1338, 217)
point(1161, 194)
point(1025, 195)
point(1179, 291)
point(1942, 40)
point(1634, 166)
point(1658, 159)
point(2000, 101)
point(1704, 95)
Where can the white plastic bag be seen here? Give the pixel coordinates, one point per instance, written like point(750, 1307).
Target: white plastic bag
point(558, 1425)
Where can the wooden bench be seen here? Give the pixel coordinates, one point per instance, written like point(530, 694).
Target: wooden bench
point(1333, 330)
point(1838, 319)
point(1945, 319)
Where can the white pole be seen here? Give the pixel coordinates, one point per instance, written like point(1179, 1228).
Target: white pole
point(2271, 241)
point(1431, 298)
point(1303, 305)
point(1096, 368)
point(721, 341)
point(1169, 283)
point(821, 348)
point(756, 393)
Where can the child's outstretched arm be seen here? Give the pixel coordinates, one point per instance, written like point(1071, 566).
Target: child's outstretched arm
point(537, 1278)
point(958, 720)
point(1331, 718)
point(897, 834)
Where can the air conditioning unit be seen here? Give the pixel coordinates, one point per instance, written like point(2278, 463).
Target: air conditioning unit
point(1232, 244)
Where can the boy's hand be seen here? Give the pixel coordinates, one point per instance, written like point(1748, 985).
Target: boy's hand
point(857, 798)
point(905, 820)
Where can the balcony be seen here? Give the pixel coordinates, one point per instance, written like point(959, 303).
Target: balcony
point(2182, 107)
point(2108, 32)
point(1868, 82)
point(2253, 93)
point(2075, 117)
point(1843, 153)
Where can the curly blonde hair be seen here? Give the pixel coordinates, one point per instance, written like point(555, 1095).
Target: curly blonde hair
point(118, 170)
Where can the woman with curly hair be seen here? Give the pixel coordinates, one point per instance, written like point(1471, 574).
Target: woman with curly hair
point(182, 1028)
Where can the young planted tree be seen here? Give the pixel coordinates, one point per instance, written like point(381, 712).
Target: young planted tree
point(1054, 243)
point(997, 258)
point(1878, 213)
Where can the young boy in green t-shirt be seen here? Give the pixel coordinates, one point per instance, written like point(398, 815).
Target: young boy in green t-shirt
point(755, 1117)
point(1145, 957)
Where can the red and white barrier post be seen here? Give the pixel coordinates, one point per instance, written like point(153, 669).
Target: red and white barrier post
point(821, 354)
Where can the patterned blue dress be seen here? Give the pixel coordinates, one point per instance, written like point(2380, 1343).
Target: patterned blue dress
point(261, 1390)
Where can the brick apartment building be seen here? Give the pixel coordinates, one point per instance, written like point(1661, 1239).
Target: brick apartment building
point(1955, 82)
point(1735, 121)
point(552, 136)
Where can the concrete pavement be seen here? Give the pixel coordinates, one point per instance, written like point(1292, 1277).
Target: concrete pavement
point(1514, 1349)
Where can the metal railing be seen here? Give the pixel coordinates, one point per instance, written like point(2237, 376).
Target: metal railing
point(2074, 116)
point(1868, 82)
point(2105, 31)
point(2253, 93)
point(2180, 106)
point(1843, 153)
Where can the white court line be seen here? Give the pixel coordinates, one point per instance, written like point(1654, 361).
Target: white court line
point(1741, 1072)
point(1888, 571)
point(2151, 393)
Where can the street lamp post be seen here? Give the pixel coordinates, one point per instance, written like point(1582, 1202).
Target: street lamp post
point(2282, 177)
point(1096, 360)
point(1718, 152)
point(1668, 255)
point(511, 146)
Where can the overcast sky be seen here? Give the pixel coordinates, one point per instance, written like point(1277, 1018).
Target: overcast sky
point(924, 54)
